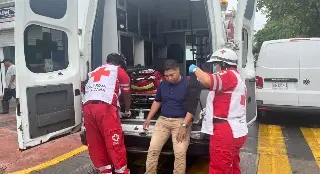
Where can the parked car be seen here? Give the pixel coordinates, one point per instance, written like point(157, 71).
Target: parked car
point(287, 76)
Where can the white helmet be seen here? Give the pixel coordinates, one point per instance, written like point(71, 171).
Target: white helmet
point(224, 55)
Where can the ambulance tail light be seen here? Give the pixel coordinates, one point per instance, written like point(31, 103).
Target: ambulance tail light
point(259, 82)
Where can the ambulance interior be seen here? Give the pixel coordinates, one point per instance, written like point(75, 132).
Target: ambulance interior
point(158, 30)
point(152, 31)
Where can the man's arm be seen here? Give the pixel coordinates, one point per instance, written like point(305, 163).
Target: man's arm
point(217, 81)
point(154, 109)
point(124, 81)
point(13, 75)
point(13, 78)
point(156, 104)
point(188, 119)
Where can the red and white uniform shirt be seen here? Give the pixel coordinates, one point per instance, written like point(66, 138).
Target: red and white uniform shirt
point(229, 101)
point(104, 84)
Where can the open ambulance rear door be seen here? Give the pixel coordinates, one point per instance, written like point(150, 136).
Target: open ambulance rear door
point(47, 68)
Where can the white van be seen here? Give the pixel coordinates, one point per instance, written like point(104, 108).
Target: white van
point(51, 68)
point(287, 75)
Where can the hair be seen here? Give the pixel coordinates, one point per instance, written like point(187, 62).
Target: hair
point(171, 65)
point(7, 60)
point(117, 59)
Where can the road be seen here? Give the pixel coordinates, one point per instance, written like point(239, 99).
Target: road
point(280, 143)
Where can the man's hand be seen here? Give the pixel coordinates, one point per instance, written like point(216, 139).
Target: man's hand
point(127, 113)
point(146, 124)
point(182, 134)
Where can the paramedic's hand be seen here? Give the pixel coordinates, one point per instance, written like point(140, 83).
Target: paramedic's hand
point(146, 124)
point(192, 68)
point(182, 134)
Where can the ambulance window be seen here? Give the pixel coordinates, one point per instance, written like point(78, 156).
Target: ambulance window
point(249, 9)
point(51, 8)
point(244, 47)
point(45, 49)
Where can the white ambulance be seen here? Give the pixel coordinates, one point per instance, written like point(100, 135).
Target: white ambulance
point(50, 66)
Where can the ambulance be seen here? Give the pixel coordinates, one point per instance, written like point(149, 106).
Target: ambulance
point(51, 67)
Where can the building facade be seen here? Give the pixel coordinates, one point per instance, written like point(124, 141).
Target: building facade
point(7, 49)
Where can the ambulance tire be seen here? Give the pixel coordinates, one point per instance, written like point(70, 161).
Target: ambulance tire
point(83, 138)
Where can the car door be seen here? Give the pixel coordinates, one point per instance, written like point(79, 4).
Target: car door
point(248, 61)
point(47, 68)
point(309, 83)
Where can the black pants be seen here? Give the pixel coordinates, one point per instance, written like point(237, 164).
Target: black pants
point(8, 94)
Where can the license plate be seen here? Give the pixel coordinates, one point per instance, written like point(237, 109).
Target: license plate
point(280, 85)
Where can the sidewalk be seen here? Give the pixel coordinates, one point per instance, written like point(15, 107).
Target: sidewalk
point(11, 159)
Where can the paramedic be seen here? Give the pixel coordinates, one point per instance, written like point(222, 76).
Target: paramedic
point(229, 112)
point(101, 116)
point(174, 119)
point(10, 88)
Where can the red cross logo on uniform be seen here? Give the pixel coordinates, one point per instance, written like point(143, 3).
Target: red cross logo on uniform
point(222, 51)
point(98, 74)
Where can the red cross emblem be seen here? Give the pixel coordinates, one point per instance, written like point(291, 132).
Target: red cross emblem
point(222, 51)
point(98, 74)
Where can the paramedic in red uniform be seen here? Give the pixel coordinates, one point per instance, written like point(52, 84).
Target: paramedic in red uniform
point(229, 112)
point(101, 115)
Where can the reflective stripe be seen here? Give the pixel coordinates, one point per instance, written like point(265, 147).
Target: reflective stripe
point(122, 170)
point(220, 82)
point(116, 94)
point(127, 88)
point(124, 84)
point(214, 82)
point(105, 168)
point(221, 118)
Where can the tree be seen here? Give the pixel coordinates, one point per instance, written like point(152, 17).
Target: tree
point(288, 19)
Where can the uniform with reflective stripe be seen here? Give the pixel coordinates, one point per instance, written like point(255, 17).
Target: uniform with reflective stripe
point(229, 100)
point(227, 103)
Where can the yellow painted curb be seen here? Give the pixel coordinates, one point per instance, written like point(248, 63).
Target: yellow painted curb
point(53, 161)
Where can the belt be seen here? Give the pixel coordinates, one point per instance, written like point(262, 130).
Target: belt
point(217, 120)
point(95, 102)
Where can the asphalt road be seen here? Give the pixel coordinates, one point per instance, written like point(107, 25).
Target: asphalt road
point(279, 143)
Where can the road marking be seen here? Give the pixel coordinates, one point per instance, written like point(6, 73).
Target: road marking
point(272, 151)
point(312, 136)
point(53, 161)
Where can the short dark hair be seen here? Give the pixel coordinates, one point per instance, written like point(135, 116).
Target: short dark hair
point(171, 65)
point(6, 60)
